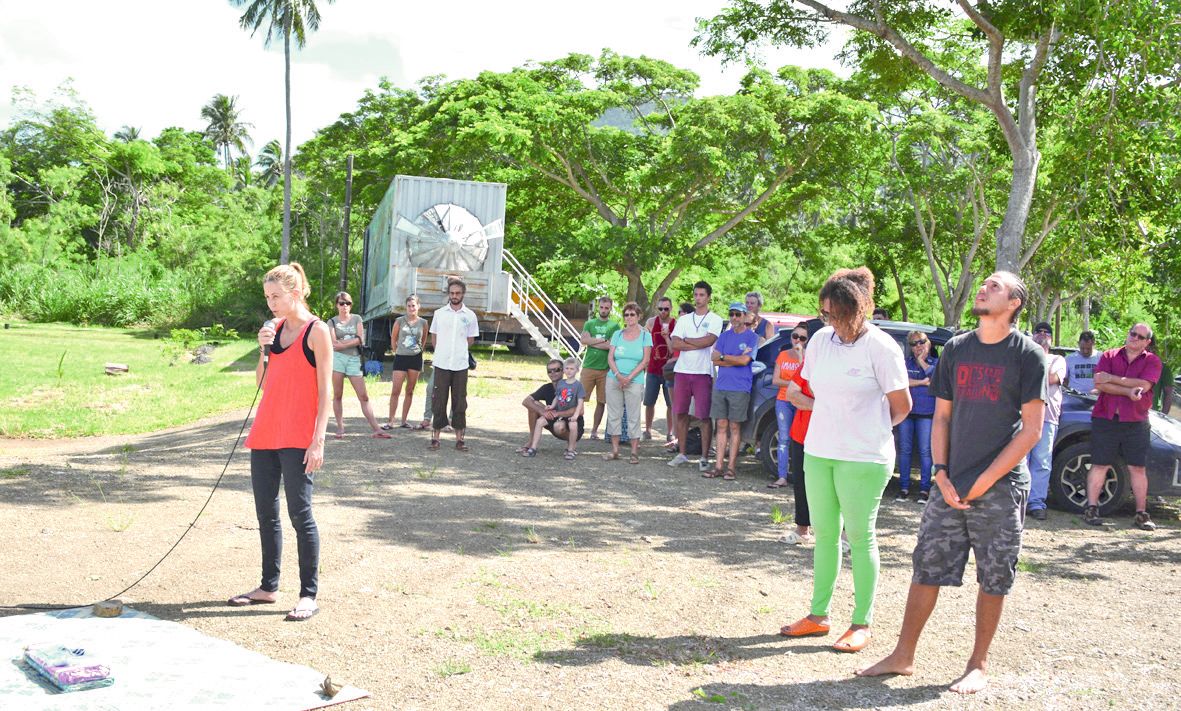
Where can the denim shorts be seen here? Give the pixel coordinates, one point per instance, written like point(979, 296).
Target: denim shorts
point(991, 529)
point(350, 365)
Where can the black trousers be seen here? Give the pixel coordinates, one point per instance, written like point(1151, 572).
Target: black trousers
point(269, 467)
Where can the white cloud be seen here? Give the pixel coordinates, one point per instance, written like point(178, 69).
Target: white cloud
point(155, 63)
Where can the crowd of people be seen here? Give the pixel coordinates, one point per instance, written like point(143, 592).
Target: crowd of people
point(981, 417)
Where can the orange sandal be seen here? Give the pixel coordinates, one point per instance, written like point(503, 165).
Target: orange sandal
point(804, 628)
point(854, 640)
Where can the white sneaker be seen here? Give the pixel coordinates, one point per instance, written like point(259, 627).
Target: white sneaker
point(703, 465)
point(678, 460)
point(795, 539)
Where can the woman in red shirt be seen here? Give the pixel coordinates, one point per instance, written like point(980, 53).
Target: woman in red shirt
point(286, 441)
point(789, 360)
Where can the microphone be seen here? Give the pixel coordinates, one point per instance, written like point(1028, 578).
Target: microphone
point(266, 350)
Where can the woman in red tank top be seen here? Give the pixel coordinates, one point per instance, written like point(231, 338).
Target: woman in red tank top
point(286, 441)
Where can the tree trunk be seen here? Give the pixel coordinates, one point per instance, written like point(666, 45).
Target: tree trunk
point(285, 251)
point(1010, 235)
point(905, 316)
point(635, 288)
point(1086, 313)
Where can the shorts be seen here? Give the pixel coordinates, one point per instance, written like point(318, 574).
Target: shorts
point(652, 389)
point(991, 529)
point(550, 426)
point(407, 362)
point(1111, 439)
point(350, 365)
point(732, 405)
point(695, 388)
point(595, 381)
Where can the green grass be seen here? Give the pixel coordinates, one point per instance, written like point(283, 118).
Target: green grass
point(453, 667)
point(54, 384)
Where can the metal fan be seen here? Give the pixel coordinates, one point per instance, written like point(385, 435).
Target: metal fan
point(448, 237)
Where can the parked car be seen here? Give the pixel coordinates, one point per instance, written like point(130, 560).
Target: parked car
point(1072, 444)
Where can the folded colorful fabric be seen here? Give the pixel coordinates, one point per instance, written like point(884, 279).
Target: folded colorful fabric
point(68, 669)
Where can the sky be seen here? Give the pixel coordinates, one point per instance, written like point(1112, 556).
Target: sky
point(135, 63)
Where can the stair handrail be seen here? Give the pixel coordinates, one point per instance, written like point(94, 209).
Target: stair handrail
point(558, 327)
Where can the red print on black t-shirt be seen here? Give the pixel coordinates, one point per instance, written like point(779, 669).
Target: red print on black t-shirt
point(978, 381)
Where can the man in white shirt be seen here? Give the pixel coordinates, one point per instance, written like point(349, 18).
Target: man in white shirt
point(1080, 367)
point(693, 338)
point(453, 329)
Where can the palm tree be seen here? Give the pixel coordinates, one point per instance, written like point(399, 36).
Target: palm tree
point(224, 128)
point(270, 163)
point(286, 19)
point(127, 134)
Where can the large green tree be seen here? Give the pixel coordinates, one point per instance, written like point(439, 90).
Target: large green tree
point(1065, 46)
point(290, 20)
point(634, 173)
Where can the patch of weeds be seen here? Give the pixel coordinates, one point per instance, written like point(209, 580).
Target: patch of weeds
point(620, 641)
point(488, 525)
point(1028, 566)
point(504, 552)
point(708, 697)
point(777, 516)
point(487, 578)
point(705, 583)
point(61, 370)
point(16, 472)
point(516, 608)
point(120, 522)
point(650, 589)
point(521, 644)
point(531, 535)
point(764, 610)
point(453, 667)
point(424, 474)
point(735, 700)
point(127, 449)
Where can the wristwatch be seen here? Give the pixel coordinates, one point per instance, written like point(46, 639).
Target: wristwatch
point(937, 467)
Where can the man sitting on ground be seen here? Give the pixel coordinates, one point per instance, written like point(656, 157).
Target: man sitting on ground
point(557, 407)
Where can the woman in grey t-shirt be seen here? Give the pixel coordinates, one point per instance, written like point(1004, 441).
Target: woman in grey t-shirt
point(348, 333)
point(408, 336)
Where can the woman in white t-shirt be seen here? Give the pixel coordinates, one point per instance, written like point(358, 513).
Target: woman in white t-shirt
point(859, 379)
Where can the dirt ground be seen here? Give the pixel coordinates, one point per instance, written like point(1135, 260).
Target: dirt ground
point(482, 579)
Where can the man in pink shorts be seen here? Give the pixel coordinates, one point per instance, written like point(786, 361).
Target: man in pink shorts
point(693, 338)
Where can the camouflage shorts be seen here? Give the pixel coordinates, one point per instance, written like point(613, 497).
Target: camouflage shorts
point(991, 528)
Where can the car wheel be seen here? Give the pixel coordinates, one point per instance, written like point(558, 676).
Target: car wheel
point(769, 446)
point(1068, 481)
point(523, 345)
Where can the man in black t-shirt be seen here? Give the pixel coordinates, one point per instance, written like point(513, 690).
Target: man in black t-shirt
point(536, 402)
point(990, 390)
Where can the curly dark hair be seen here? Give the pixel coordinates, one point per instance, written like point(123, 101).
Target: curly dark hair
point(849, 293)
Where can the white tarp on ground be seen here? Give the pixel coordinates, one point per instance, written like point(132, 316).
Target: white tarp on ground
point(156, 665)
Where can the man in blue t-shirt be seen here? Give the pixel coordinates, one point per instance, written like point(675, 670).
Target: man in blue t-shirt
point(730, 401)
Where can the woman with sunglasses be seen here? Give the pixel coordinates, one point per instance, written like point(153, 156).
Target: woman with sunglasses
point(859, 380)
point(789, 360)
point(348, 335)
point(915, 431)
point(627, 359)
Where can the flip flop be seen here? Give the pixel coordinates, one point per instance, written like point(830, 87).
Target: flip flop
point(338, 435)
point(293, 617)
point(853, 640)
point(403, 426)
point(387, 427)
point(434, 445)
point(804, 628)
point(633, 459)
point(712, 474)
point(610, 456)
point(245, 600)
point(461, 446)
point(776, 485)
point(730, 475)
point(381, 435)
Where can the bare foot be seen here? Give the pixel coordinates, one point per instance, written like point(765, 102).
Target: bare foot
point(972, 681)
point(893, 664)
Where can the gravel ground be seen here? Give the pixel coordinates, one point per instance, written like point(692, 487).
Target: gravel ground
point(455, 580)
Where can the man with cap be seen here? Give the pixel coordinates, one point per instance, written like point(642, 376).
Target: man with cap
point(1041, 455)
point(1080, 366)
point(730, 400)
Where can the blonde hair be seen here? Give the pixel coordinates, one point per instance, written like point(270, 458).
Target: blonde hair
point(291, 278)
point(572, 361)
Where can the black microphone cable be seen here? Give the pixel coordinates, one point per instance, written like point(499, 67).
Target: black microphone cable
point(192, 524)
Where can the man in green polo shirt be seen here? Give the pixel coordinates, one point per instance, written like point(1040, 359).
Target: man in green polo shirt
point(596, 336)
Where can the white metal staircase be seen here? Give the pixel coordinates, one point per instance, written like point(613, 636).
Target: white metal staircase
point(539, 315)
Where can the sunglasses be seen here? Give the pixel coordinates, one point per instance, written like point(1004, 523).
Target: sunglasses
point(344, 303)
point(1138, 336)
point(917, 343)
point(1042, 330)
point(798, 337)
point(630, 313)
point(665, 309)
point(736, 313)
point(553, 370)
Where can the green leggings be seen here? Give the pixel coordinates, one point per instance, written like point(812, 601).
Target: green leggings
point(852, 490)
